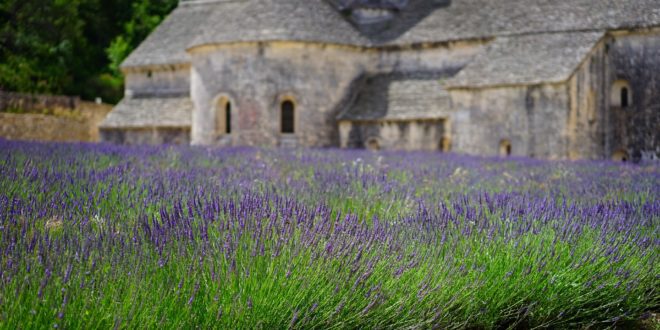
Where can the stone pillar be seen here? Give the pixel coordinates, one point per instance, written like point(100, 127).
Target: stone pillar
point(203, 118)
point(344, 133)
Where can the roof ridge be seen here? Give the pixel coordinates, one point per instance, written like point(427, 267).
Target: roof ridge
point(201, 2)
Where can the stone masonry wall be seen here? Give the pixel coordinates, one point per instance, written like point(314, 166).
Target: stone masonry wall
point(393, 135)
point(257, 77)
point(55, 124)
point(154, 136)
point(531, 118)
point(586, 122)
point(436, 58)
point(634, 58)
point(158, 81)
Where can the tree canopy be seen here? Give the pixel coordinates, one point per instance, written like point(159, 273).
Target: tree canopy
point(72, 47)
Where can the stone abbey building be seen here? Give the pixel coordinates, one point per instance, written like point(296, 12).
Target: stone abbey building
point(558, 79)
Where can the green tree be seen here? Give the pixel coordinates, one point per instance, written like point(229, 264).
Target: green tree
point(103, 20)
point(38, 40)
point(72, 47)
point(146, 15)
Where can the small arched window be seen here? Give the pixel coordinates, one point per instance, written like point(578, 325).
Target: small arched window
point(288, 117)
point(620, 156)
point(228, 118)
point(223, 117)
point(621, 94)
point(373, 144)
point(625, 100)
point(505, 148)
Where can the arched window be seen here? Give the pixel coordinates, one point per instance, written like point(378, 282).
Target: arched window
point(624, 97)
point(621, 94)
point(287, 117)
point(620, 156)
point(223, 117)
point(373, 144)
point(505, 148)
point(228, 118)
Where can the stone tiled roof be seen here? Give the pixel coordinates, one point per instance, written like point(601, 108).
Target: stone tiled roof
point(527, 60)
point(387, 4)
point(167, 44)
point(473, 19)
point(395, 98)
point(150, 112)
point(278, 20)
point(421, 21)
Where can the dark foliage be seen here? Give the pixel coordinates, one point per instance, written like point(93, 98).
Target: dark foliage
point(72, 47)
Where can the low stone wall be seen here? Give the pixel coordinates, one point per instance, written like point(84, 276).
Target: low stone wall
point(154, 135)
point(50, 118)
point(395, 135)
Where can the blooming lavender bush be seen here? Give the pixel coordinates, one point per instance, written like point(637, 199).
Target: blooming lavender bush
point(101, 236)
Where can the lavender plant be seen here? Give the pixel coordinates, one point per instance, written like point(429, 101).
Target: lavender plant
point(101, 236)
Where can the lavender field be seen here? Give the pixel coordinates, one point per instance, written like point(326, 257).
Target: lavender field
point(100, 236)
